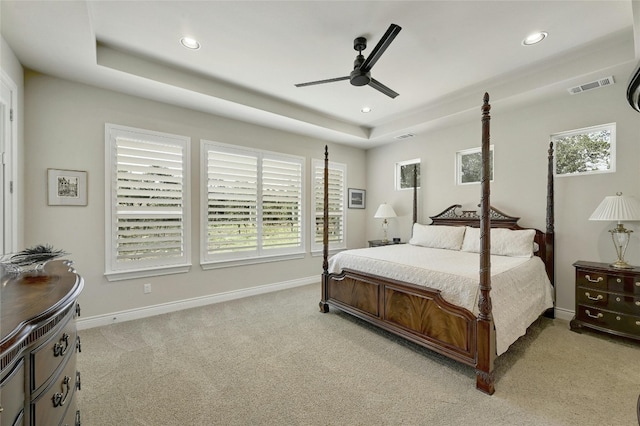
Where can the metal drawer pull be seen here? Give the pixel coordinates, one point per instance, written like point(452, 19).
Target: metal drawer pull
point(637, 322)
point(637, 283)
point(58, 398)
point(595, 281)
point(586, 311)
point(58, 349)
point(637, 302)
point(586, 293)
point(619, 280)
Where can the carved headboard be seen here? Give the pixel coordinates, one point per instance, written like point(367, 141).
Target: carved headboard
point(450, 216)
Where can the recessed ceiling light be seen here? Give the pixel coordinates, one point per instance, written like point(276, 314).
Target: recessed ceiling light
point(534, 38)
point(365, 109)
point(190, 43)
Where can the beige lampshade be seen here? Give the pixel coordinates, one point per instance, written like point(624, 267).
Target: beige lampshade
point(617, 208)
point(385, 211)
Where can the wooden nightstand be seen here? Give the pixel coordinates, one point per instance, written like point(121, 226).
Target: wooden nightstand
point(378, 243)
point(607, 299)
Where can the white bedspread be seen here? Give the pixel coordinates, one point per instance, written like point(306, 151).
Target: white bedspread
point(520, 289)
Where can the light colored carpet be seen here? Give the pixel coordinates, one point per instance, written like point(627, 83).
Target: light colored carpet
point(275, 359)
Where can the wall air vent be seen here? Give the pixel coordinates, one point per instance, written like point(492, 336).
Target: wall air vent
point(405, 136)
point(607, 81)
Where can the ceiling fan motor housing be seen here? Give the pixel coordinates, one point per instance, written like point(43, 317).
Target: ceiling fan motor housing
point(358, 77)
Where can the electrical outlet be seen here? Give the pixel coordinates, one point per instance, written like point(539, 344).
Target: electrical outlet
point(147, 288)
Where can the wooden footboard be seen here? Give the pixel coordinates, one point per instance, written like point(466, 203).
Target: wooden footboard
point(418, 314)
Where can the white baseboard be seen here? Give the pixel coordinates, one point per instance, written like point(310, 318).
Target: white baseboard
point(178, 305)
point(564, 314)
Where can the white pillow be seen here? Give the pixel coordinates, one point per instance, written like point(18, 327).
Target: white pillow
point(437, 236)
point(504, 242)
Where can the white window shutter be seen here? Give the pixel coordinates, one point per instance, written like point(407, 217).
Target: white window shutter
point(148, 197)
point(252, 205)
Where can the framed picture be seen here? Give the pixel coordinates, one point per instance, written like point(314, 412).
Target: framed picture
point(66, 187)
point(357, 198)
point(469, 166)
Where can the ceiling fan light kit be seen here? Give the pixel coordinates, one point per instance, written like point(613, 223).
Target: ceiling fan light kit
point(361, 74)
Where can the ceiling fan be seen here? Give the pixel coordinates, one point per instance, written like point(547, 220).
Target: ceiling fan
point(361, 74)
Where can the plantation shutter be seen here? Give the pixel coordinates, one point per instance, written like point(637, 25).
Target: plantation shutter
point(281, 204)
point(149, 220)
point(253, 203)
point(337, 178)
point(232, 202)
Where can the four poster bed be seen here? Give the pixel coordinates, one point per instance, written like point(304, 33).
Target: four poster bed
point(427, 291)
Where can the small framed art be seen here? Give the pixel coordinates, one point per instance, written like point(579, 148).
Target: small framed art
point(357, 198)
point(66, 187)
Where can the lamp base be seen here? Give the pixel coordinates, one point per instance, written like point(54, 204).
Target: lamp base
point(621, 264)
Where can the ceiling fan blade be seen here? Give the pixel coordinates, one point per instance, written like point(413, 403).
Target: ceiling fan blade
point(331, 80)
point(382, 45)
point(382, 88)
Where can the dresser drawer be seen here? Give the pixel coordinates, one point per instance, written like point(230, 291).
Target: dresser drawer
point(72, 418)
point(623, 323)
point(46, 358)
point(591, 279)
point(50, 406)
point(12, 394)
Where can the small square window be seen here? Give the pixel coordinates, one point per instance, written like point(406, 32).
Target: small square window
point(469, 166)
point(404, 173)
point(585, 151)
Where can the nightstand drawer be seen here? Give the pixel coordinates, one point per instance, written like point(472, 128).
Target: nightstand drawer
point(589, 296)
point(625, 283)
point(591, 279)
point(625, 303)
point(609, 320)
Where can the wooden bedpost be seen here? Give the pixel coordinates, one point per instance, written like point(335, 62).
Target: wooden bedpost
point(549, 239)
point(415, 196)
point(324, 306)
point(486, 328)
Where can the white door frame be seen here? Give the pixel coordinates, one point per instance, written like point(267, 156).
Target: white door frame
point(9, 163)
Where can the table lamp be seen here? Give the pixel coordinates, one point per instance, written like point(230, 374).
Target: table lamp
point(618, 208)
point(385, 211)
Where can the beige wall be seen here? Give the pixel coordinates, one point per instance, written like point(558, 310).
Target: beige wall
point(521, 140)
point(65, 130)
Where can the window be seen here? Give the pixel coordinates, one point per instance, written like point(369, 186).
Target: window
point(147, 197)
point(404, 173)
point(337, 212)
point(252, 205)
point(588, 150)
point(469, 166)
